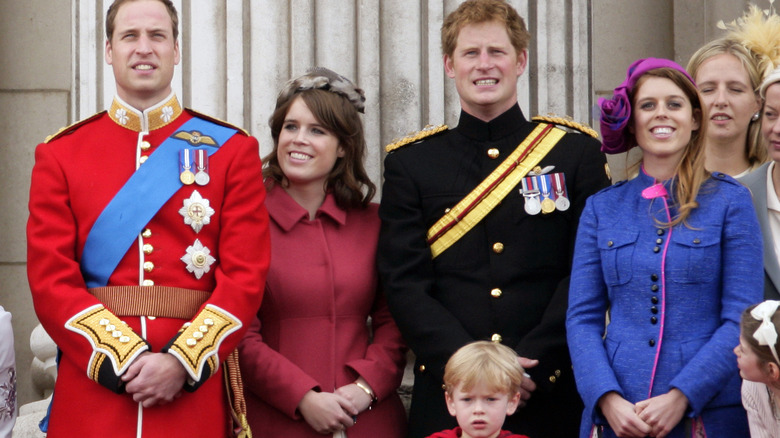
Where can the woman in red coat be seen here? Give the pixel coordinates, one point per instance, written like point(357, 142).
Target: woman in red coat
point(311, 363)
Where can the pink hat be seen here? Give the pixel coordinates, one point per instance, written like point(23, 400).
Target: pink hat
point(616, 112)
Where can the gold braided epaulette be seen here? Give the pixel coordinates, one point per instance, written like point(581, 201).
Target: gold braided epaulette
point(428, 131)
point(72, 127)
point(218, 121)
point(568, 122)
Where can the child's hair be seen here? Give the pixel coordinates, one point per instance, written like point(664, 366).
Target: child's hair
point(490, 362)
point(749, 324)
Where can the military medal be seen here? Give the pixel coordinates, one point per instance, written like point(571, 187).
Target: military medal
point(561, 201)
point(202, 162)
point(198, 259)
point(532, 204)
point(548, 205)
point(186, 176)
point(196, 211)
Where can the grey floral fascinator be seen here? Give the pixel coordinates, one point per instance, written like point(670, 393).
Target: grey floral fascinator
point(324, 79)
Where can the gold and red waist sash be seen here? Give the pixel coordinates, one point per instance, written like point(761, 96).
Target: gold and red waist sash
point(158, 301)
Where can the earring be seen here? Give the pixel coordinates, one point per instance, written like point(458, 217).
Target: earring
point(755, 116)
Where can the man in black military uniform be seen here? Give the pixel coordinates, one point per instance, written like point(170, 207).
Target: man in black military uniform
point(450, 279)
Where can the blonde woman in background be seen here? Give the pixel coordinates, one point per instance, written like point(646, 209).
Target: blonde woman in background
point(727, 74)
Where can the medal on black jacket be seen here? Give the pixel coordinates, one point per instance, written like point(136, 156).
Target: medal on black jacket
point(548, 205)
point(559, 187)
point(531, 194)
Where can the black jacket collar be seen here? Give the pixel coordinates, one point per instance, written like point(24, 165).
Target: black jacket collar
point(507, 123)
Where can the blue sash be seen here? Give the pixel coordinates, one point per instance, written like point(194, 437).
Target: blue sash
point(136, 203)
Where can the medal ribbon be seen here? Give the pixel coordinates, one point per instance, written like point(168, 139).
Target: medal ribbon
point(559, 187)
point(525, 186)
point(535, 185)
point(489, 193)
point(185, 164)
point(147, 190)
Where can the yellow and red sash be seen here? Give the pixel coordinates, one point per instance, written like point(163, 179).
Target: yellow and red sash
point(489, 193)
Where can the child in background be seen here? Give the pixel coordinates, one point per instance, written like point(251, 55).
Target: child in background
point(8, 409)
point(482, 386)
point(759, 366)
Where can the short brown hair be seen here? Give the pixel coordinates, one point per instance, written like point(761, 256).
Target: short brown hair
point(114, 9)
point(482, 11)
point(348, 180)
point(491, 363)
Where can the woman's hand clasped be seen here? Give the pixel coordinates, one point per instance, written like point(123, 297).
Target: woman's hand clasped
point(327, 412)
point(663, 412)
point(622, 418)
point(357, 395)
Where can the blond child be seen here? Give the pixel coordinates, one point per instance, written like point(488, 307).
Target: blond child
point(482, 386)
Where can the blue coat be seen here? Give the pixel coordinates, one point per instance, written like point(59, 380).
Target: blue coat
point(712, 271)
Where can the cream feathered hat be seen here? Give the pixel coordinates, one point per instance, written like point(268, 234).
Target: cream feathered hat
point(759, 31)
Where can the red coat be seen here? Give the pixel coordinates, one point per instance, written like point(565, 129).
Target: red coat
point(457, 433)
point(311, 332)
point(75, 176)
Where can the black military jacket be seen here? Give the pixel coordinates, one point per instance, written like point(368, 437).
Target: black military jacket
point(507, 279)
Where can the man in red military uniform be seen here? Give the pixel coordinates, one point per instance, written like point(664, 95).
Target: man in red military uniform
point(147, 247)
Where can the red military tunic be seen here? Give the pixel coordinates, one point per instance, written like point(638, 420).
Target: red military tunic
point(75, 176)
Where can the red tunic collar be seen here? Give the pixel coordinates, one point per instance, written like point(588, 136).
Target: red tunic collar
point(152, 118)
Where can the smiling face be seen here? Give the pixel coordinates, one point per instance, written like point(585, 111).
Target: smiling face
point(770, 121)
point(485, 67)
point(663, 121)
point(142, 53)
point(480, 411)
point(726, 91)
point(307, 151)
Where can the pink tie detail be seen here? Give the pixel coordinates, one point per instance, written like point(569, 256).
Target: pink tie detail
point(656, 190)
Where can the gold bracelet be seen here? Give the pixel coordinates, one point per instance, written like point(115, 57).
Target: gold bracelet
point(367, 391)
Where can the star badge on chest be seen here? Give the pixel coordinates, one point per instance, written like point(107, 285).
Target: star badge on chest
point(196, 211)
point(198, 259)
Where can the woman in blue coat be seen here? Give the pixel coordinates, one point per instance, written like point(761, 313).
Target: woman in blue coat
point(672, 256)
